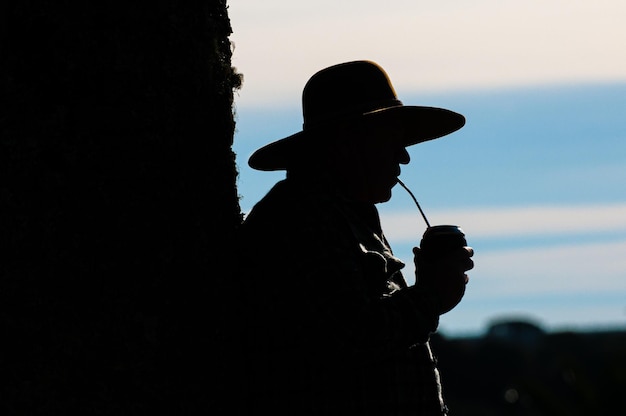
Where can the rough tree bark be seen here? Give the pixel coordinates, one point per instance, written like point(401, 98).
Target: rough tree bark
point(118, 204)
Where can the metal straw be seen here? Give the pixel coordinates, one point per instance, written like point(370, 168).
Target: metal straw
point(416, 203)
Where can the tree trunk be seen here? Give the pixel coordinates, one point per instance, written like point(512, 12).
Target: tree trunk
point(118, 205)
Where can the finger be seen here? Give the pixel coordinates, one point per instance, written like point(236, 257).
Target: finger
point(469, 265)
point(461, 253)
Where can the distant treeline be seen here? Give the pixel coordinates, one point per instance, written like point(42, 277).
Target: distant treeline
point(517, 369)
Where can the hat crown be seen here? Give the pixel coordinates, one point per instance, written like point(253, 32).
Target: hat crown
point(347, 90)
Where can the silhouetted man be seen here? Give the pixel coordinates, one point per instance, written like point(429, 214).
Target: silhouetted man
point(331, 325)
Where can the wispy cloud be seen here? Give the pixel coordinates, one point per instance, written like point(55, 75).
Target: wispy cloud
point(586, 268)
point(433, 45)
point(513, 222)
point(573, 286)
point(555, 270)
point(575, 267)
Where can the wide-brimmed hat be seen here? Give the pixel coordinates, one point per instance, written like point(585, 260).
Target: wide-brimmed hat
point(353, 92)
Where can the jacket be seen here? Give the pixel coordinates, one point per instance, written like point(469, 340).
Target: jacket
point(331, 326)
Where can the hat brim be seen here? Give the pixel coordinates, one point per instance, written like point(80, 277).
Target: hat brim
point(419, 123)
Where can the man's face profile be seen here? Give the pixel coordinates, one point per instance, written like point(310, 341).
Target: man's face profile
point(371, 162)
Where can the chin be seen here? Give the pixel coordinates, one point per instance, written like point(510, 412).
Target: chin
point(382, 197)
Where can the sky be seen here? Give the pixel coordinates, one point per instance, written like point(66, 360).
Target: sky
point(536, 176)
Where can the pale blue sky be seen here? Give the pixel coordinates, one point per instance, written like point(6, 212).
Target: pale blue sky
point(535, 178)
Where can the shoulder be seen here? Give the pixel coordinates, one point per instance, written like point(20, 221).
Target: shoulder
point(290, 200)
point(292, 211)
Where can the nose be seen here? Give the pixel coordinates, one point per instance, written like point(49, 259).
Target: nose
point(403, 156)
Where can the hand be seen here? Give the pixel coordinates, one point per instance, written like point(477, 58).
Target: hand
point(444, 275)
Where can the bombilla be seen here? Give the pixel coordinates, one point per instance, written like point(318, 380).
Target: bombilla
point(416, 203)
